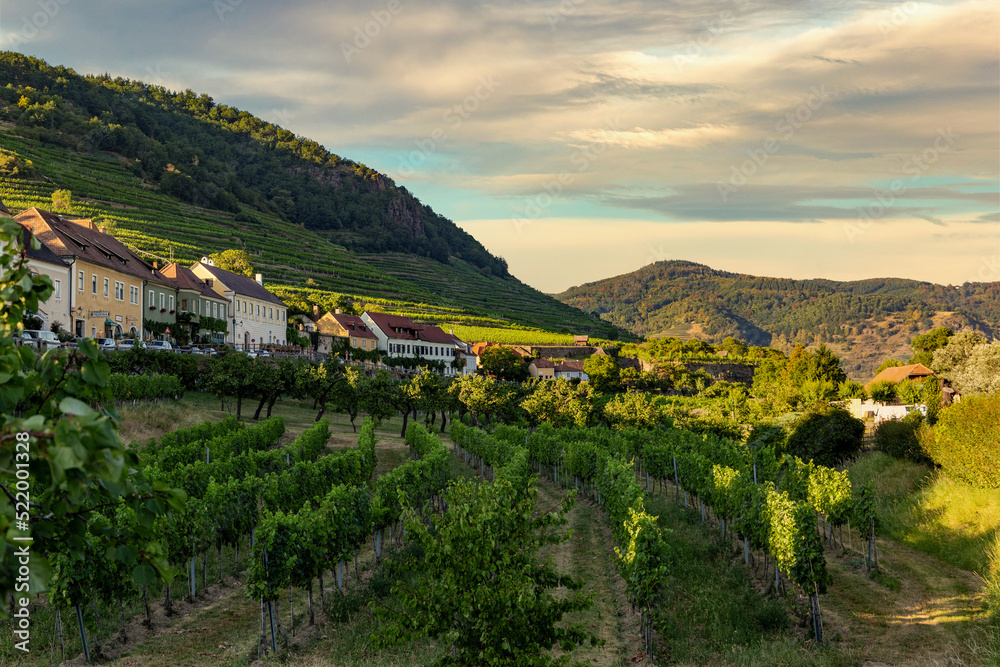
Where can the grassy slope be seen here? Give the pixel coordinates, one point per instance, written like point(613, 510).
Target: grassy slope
point(286, 253)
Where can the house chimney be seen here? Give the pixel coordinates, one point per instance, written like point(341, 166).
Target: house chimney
point(156, 265)
point(260, 279)
point(315, 312)
point(336, 311)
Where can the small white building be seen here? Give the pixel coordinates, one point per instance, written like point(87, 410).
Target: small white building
point(255, 316)
point(571, 369)
point(400, 336)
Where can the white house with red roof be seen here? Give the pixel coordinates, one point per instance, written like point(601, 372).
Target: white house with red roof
point(400, 336)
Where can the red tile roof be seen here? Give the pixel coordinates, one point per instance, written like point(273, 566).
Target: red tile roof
point(354, 325)
point(570, 367)
point(78, 237)
point(433, 334)
point(900, 373)
point(542, 363)
point(395, 326)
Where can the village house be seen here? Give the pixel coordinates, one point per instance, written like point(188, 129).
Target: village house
point(42, 261)
point(254, 316)
point(542, 369)
point(399, 336)
point(194, 299)
point(897, 374)
point(350, 328)
point(107, 280)
point(570, 369)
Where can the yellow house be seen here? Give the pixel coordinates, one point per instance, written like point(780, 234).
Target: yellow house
point(339, 325)
point(106, 280)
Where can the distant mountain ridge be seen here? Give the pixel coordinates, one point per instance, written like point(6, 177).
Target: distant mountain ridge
point(683, 298)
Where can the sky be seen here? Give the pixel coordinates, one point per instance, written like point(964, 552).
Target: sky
point(582, 139)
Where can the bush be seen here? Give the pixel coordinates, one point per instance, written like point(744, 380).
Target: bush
point(900, 439)
point(966, 441)
point(826, 434)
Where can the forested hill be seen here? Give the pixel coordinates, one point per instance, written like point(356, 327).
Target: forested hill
point(220, 157)
point(180, 176)
point(686, 299)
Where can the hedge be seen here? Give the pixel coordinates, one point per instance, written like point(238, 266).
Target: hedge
point(966, 441)
point(135, 388)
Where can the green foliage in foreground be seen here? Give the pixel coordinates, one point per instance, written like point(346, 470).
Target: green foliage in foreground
point(61, 450)
point(966, 441)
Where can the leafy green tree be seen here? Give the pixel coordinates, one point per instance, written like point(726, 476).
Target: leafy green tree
point(377, 396)
point(851, 389)
point(318, 381)
point(957, 351)
point(53, 426)
point(487, 594)
point(980, 372)
point(925, 345)
point(883, 391)
point(826, 434)
point(603, 373)
point(234, 261)
point(910, 392)
point(232, 375)
point(503, 363)
point(635, 409)
point(560, 403)
point(62, 201)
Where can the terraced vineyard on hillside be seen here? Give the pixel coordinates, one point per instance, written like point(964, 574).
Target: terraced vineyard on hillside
point(287, 254)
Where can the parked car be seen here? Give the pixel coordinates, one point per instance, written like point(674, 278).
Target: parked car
point(209, 351)
point(252, 354)
point(264, 353)
point(160, 345)
point(106, 343)
point(40, 339)
point(129, 343)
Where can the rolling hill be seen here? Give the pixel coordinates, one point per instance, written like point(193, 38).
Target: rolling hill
point(864, 321)
point(178, 176)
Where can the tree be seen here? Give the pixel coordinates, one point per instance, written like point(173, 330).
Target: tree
point(635, 409)
point(933, 340)
point(377, 396)
point(234, 261)
point(910, 392)
point(851, 389)
point(603, 373)
point(958, 349)
point(54, 427)
point(826, 434)
point(980, 372)
point(503, 363)
point(233, 375)
point(883, 391)
point(560, 403)
point(62, 201)
point(486, 592)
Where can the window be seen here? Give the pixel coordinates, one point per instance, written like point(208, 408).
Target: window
point(258, 310)
point(57, 289)
point(107, 287)
point(79, 283)
point(133, 294)
point(215, 309)
point(93, 283)
point(171, 301)
point(152, 299)
point(271, 314)
point(163, 301)
point(119, 291)
point(184, 305)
